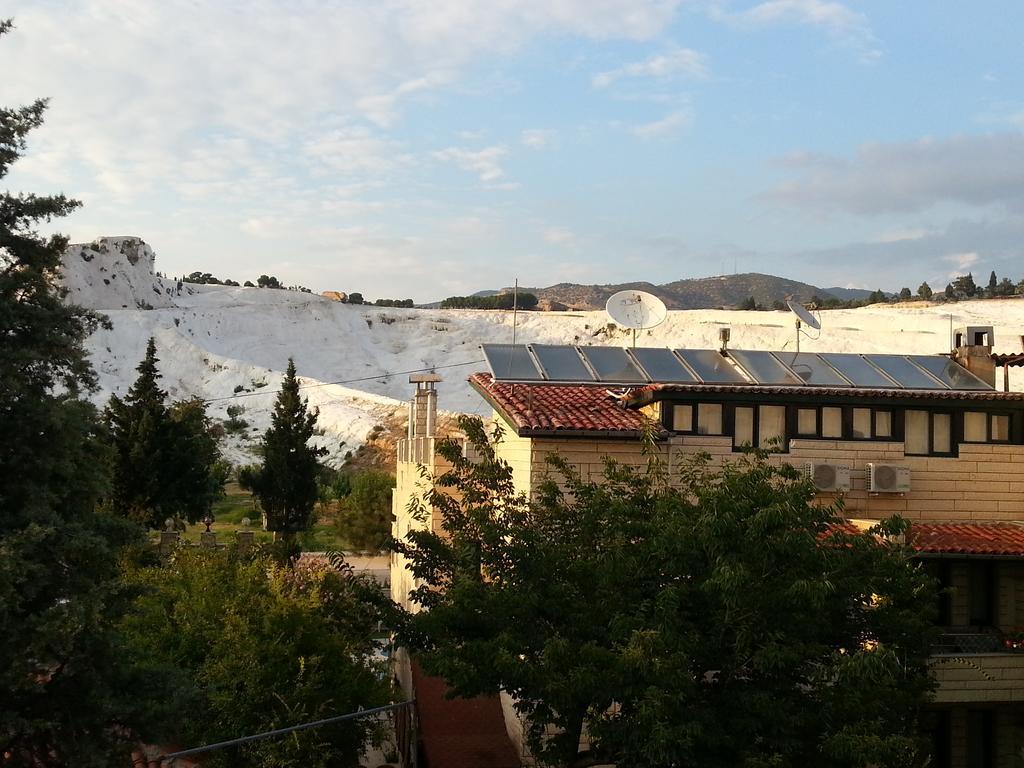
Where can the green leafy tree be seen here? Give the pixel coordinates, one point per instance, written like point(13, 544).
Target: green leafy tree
point(364, 520)
point(63, 683)
point(905, 294)
point(268, 281)
point(748, 304)
point(719, 619)
point(355, 298)
point(286, 482)
point(257, 648)
point(965, 286)
point(165, 459)
point(924, 291)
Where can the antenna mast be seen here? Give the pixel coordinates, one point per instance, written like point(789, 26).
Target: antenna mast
point(515, 308)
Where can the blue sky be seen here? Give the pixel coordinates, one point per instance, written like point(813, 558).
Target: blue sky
point(423, 149)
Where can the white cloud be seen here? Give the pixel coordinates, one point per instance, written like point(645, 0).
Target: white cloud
point(537, 138)
point(666, 126)
point(840, 21)
point(485, 163)
point(962, 262)
point(909, 176)
point(558, 236)
point(678, 62)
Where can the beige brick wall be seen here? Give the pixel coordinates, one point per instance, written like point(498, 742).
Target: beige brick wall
point(985, 483)
point(995, 677)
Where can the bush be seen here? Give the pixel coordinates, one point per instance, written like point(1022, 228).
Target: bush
point(498, 301)
point(364, 520)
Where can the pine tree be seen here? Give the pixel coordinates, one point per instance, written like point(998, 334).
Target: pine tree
point(285, 483)
point(924, 291)
point(63, 685)
point(905, 294)
point(165, 458)
point(993, 283)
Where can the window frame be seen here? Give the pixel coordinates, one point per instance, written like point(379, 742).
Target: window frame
point(955, 432)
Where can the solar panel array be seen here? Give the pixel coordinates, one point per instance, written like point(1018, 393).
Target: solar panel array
point(620, 366)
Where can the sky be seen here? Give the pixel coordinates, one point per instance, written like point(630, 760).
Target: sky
point(427, 148)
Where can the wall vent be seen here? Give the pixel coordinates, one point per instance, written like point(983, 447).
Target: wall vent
point(828, 477)
point(887, 478)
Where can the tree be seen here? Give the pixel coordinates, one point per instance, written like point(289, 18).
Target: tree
point(355, 298)
point(268, 281)
point(165, 459)
point(365, 516)
point(905, 294)
point(993, 283)
point(748, 304)
point(257, 648)
point(717, 618)
point(63, 683)
point(924, 291)
point(964, 286)
point(285, 483)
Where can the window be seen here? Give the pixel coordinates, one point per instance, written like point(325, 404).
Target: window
point(832, 422)
point(862, 423)
point(927, 433)
point(916, 438)
point(982, 594)
point(807, 422)
point(709, 419)
point(975, 427)
point(743, 427)
point(980, 738)
point(883, 424)
point(682, 418)
point(771, 427)
point(982, 427)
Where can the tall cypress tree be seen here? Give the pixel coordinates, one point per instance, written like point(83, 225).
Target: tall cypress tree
point(285, 483)
point(63, 687)
point(165, 459)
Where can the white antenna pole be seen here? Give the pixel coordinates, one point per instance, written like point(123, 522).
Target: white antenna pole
point(515, 308)
point(798, 335)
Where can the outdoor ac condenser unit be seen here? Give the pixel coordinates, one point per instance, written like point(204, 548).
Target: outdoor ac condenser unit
point(828, 477)
point(888, 478)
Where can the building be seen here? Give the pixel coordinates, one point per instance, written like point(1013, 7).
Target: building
point(928, 437)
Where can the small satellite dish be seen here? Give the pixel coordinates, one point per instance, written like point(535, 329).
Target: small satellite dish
point(803, 314)
point(636, 309)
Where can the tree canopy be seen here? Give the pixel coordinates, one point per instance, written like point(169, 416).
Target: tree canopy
point(165, 459)
point(65, 696)
point(719, 617)
point(286, 482)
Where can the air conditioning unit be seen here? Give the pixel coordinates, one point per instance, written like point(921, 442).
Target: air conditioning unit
point(828, 477)
point(887, 478)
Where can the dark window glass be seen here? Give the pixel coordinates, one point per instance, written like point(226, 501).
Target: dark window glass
point(711, 367)
point(980, 739)
point(982, 594)
point(510, 362)
point(561, 363)
point(662, 365)
point(612, 364)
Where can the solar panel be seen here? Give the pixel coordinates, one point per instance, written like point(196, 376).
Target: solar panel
point(813, 371)
point(510, 362)
point(662, 366)
point(561, 363)
point(905, 372)
point(857, 370)
point(612, 364)
point(951, 374)
point(765, 368)
point(711, 367)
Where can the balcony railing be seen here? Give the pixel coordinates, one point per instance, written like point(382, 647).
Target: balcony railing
point(969, 641)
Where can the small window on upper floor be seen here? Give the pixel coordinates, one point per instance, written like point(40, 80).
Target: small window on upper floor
point(980, 427)
point(883, 424)
point(927, 433)
point(682, 418)
point(831, 422)
point(771, 427)
point(807, 422)
point(709, 419)
point(862, 423)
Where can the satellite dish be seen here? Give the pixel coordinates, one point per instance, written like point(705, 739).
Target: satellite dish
point(636, 309)
point(803, 314)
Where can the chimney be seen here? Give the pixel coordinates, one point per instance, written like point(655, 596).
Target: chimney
point(423, 406)
point(972, 348)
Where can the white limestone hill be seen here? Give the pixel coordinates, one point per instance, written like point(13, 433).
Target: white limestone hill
point(231, 345)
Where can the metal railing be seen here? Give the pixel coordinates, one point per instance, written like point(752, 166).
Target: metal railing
point(405, 729)
point(971, 641)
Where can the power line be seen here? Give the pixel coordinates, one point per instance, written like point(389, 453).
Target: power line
point(429, 369)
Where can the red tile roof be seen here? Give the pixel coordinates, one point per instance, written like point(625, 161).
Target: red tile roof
point(550, 409)
point(643, 394)
point(460, 733)
point(967, 538)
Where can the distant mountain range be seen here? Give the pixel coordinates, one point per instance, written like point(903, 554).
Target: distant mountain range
point(693, 293)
